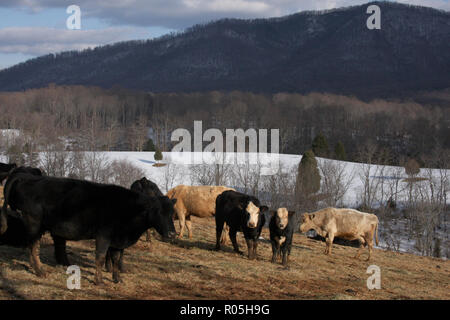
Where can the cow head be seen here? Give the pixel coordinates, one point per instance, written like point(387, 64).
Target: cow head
point(282, 217)
point(253, 213)
point(307, 222)
point(162, 220)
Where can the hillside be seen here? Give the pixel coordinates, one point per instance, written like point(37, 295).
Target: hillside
point(331, 51)
point(192, 270)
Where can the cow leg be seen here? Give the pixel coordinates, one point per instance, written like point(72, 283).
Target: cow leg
point(60, 251)
point(115, 257)
point(34, 258)
point(148, 236)
point(234, 241)
point(219, 229)
point(3, 222)
point(274, 251)
point(121, 266)
point(284, 249)
point(108, 261)
point(361, 247)
point(369, 242)
point(182, 221)
point(255, 246)
point(329, 240)
point(250, 248)
point(101, 249)
point(189, 226)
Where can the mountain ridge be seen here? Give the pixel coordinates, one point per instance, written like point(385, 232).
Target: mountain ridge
point(325, 51)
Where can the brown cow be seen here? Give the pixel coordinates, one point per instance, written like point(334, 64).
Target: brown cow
point(348, 224)
point(199, 201)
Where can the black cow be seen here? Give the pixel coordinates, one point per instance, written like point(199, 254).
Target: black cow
point(77, 210)
point(281, 228)
point(243, 213)
point(15, 235)
point(150, 189)
point(5, 168)
point(147, 187)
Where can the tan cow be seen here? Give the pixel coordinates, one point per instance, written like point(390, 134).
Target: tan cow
point(1, 196)
point(199, 201)
point(343, 223)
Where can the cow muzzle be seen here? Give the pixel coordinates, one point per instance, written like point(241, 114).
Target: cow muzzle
point(251, 224)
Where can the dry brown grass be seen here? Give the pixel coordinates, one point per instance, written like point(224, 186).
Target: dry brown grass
point(192, 270)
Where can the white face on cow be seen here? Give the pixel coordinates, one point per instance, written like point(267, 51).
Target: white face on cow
point(253, 211)
point(282, 218)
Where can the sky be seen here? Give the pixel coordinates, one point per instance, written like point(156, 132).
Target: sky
point(30, 28)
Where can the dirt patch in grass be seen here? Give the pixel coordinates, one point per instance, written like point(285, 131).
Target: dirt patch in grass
point(192, 269)
point(159, 164)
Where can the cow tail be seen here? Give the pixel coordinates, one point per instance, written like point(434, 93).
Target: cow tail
point(376, 233)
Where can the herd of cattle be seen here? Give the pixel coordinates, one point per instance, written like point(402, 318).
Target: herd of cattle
point(116, 217)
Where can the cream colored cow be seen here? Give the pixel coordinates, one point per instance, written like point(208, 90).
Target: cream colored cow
point(199, 201)
point(348, 224)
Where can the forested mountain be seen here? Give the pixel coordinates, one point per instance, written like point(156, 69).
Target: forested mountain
point(330, 51)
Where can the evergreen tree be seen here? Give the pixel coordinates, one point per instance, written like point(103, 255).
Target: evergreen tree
point(149, 145)
point(158, 155)
point(320, 146)
point(308, 176)
point(339, 151)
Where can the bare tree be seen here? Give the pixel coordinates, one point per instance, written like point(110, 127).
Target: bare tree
point(335, 181)
point(124, 173)
point(97, 164)
point(171, 174)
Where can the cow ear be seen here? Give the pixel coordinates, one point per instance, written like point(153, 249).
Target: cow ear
point(174, 200)
point(312, 215)
point(273, 213)
point(291, 213)
point(263, 209)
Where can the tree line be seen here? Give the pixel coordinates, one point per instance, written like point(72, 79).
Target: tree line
point(95, 119)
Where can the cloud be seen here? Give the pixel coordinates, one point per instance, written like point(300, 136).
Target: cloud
point(178, 14)
point(131, 18)
point(39, 41)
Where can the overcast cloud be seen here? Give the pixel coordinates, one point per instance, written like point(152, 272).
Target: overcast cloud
point(131, 19)
point(178, 14)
